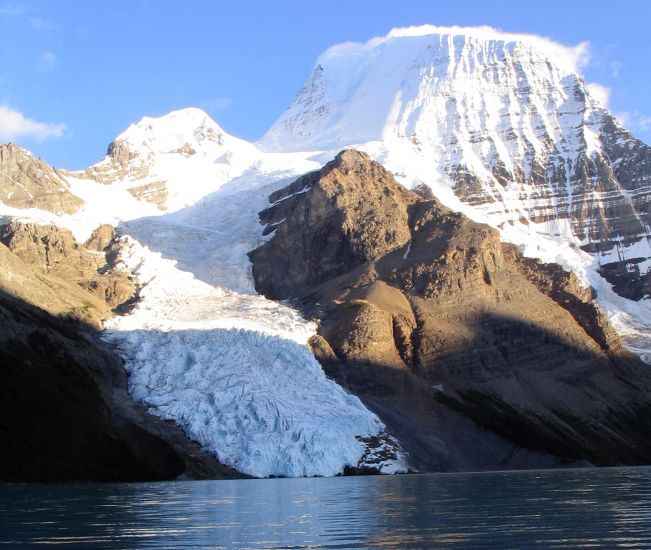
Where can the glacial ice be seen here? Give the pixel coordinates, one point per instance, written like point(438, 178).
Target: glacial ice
point(203, 348)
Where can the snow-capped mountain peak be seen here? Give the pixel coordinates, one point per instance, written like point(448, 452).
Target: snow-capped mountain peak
point(502, 123)
point(399, 85)
point(174, 160)
point(181, 131)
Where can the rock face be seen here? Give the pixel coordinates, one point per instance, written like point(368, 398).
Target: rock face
point(26, 182)
point(155, 193)
point(475, 356)
point(504, 120)
point(65, 414)
point(55, 295)
point(54, 251)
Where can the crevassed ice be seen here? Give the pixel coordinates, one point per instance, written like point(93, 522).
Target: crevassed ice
point(231, 367)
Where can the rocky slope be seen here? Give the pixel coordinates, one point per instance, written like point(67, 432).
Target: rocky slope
point(453, 338)
point(504, 121)
point(54, 250)
point(27, 182)
point(65, 414)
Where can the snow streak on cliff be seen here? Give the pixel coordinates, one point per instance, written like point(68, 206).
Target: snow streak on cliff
point(501, 127)
point(504, 123)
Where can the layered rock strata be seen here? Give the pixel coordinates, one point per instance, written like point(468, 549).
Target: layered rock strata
point(28, 182)
point(475, 356)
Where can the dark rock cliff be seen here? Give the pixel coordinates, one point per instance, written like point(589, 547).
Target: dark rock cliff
point(65, 413)
point(475, 356)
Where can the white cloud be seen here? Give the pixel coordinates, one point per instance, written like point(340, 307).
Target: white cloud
point(217, 104)
point(625, 118)
point(13, 124)
point(47, 62)
point(599, 92)
point(634, 120)
point(42, 25)
point(14, 11)
point(645, 123)
point(615, 68)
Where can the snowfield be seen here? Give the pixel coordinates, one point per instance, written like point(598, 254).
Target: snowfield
point(202, 348)
point(232, 368)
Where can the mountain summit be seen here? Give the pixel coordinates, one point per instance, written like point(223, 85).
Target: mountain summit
point(461, 351)
point(504, 121)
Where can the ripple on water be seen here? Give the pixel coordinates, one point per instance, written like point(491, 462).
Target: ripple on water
point(591, 508)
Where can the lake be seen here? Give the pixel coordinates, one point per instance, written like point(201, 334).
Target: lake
point(589, 508)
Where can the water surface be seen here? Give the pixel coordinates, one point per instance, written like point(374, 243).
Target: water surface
point(591, 508)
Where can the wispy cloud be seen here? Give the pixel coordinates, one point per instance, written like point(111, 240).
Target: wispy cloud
point(13, 124)
point(635, 121)
point(217, 104)
point(599, 92)
point(42, 25)
point(47, 62)
point(26, 13)
point(16, 10)
point(615, 68)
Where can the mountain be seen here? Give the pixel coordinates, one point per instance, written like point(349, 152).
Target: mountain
point(201, 348)
point(504, 121)
point(432, 321)
point(28, 182)
point(401, 329)
point(173, 160)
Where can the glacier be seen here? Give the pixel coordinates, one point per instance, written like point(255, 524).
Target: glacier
point(234, 369)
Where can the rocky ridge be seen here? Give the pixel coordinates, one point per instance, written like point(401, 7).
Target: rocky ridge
point(434, 323)
point(28, 182)
point(502, 120)
point(92, 266)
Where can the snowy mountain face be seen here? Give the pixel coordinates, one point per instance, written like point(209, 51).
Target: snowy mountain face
point(504, 121)
point(499, 127)
point(173, 160)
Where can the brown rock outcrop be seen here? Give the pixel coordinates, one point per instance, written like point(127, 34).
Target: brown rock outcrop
point(28, 182)
point(55, 251)
point(475, 356)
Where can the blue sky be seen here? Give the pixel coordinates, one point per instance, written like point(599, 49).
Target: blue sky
point(75, 73)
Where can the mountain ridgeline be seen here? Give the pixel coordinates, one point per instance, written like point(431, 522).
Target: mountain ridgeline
point(473, 269)
point(432, 321)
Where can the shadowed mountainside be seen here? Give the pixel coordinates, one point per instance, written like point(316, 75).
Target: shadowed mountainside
point(454, 339)
point(65, 413)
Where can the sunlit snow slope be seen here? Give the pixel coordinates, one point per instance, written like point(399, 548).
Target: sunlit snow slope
point(201, 347)
point(499, 126)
